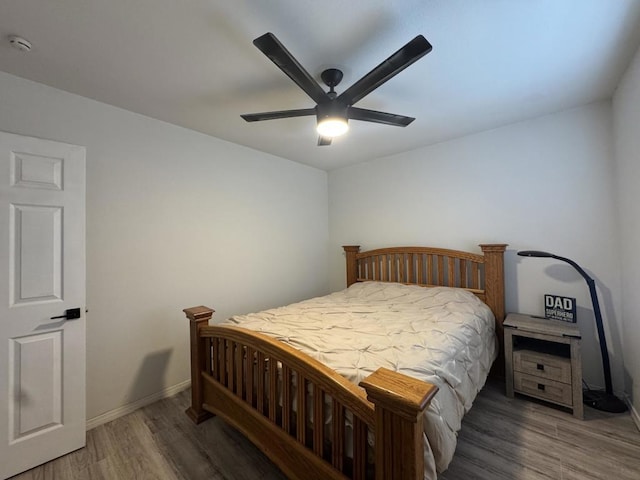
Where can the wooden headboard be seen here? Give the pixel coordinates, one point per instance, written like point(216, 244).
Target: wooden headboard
point(431, 267)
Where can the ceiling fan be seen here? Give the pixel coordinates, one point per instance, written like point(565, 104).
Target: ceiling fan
point(332, 110)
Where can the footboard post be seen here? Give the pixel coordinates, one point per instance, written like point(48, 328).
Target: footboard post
point(198, 316)
point(400, 402)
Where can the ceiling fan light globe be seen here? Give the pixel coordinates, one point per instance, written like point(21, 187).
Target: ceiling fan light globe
point(332, 127)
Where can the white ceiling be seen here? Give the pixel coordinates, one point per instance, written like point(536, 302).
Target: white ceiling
point(192, 63)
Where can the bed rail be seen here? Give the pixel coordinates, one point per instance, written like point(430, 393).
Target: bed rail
point(278, 397)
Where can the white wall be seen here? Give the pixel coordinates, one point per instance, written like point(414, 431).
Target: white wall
point(544, 184)
point(626, 120)
point(173, 213)
point(174, 219)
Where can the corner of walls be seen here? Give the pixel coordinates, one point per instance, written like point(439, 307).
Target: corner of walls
point(539, 184)
point(175, 218)
point(635, 416)
point(626, 126)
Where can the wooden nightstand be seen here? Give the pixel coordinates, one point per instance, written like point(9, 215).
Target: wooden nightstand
point(542, 360)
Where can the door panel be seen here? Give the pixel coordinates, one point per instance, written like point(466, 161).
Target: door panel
point(42, 274)
point(36, 171)
point(35, 385)
point(35, 240)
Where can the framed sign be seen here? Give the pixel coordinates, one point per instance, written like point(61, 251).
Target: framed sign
point(560, 308)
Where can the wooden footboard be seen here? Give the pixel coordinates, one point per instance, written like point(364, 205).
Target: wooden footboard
point(310, 421)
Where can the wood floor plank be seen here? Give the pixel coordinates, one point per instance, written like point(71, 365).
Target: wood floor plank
point(501, 439)
point(533, 440)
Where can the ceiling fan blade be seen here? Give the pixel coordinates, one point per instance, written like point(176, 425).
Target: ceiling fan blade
point(272, 48)
point(410, 53)
point(256, 117)
point(355, 113)
point(322, 141)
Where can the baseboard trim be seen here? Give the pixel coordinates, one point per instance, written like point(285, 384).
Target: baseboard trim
point(634, 413)
point(132, 407)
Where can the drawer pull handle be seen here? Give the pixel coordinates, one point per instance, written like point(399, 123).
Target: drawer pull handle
point(541, 387)
point(540, 366)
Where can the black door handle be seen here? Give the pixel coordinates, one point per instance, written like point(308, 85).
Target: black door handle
point(70, 314)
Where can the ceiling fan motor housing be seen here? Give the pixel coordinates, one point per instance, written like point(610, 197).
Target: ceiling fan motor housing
point(332, 120)
point(332, 109)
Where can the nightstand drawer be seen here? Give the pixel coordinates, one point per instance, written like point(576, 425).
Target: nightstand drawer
point(542, 365)
point(543, 388)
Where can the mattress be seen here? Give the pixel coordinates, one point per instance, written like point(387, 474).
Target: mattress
point(445, 336)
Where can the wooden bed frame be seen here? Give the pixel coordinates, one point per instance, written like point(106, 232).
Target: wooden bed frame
point(275, 394)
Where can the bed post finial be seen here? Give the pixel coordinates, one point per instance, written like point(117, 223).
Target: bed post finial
point(352, 263)
point(198, 317)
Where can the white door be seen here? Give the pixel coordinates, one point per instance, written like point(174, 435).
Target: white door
point(42, 275)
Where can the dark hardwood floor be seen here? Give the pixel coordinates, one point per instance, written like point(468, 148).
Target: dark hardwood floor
point(500, 439)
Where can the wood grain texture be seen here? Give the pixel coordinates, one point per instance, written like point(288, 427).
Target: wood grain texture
point(518, 439)
point(198, 317)
point(312, 370)
point(544, 369)
point(501, 439)
point(400, 403)
point(287, 435)
point(402, 395)
point(396, 412)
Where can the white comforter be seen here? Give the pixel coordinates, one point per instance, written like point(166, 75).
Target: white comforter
point(441, 335)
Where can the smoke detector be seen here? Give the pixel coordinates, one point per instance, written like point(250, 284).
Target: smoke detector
point(20, 43)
